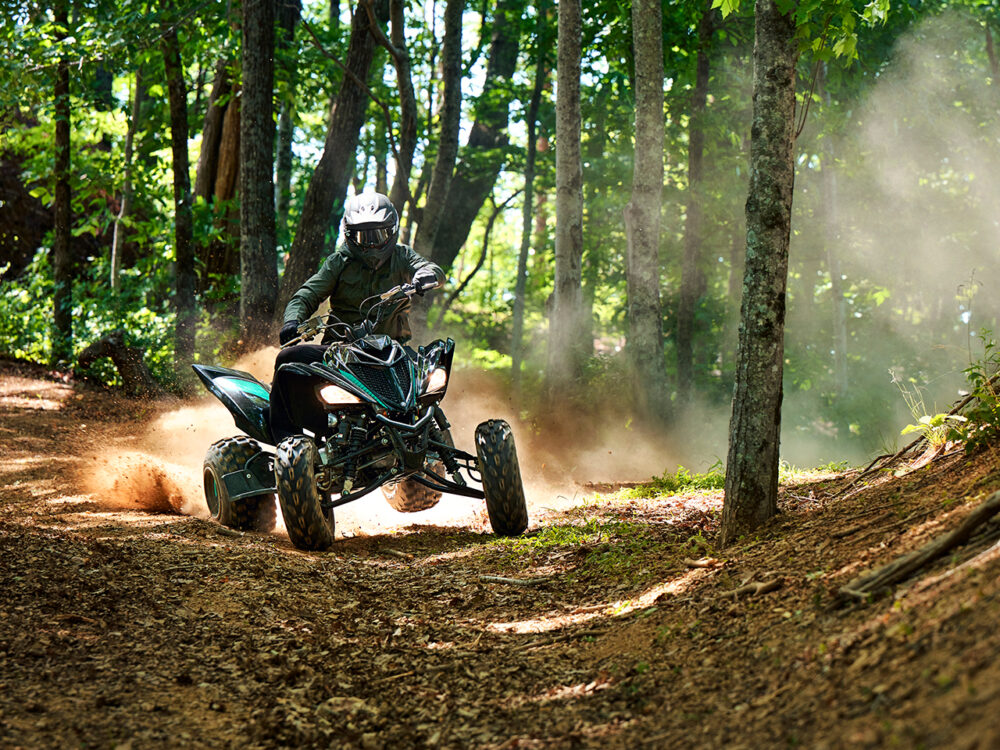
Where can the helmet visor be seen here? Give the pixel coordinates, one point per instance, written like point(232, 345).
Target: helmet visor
point(371, 238)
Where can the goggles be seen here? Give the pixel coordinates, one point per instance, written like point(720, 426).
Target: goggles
point(370, 238)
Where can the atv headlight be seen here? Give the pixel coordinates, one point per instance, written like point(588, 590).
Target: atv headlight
point(437, 380)
point(334, 395)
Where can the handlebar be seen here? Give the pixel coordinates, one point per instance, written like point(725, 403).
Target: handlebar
point(311, 327)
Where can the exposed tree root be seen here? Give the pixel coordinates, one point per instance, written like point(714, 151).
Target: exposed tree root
point(903, 567)
point(755, 589)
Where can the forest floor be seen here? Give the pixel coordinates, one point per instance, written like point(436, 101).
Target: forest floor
point(125, 623)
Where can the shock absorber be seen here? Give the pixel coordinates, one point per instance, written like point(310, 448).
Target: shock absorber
point(447, 457)
point(355, 440)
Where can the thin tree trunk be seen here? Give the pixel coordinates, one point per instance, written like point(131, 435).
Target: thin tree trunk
point(184, 266)
point(407, 106)
point(692, 280)
point(62, 262)
point(566, 350)
point(992, 56)
point(642, 214)
point(289, 12)
point(838, 307)
point(127, 192)
point(324, 200)
point(838, 303)
point(258, 256)
point(451, 113)
point(754, 432)
point(541, 75)
point(477, 172)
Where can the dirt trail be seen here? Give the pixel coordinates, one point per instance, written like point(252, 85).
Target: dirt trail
point(123, 626)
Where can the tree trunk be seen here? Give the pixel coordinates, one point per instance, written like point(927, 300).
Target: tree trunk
point(62, 262)
point(541, 75)
point(838, 303)
point(477, 171)
point(692, 279)
point(566, 349)
point(289, 12)
point(991, 54)
point(838, 307)
point(184, 266)
point(258, 256)
point(222, 258)
point(324, 200)
point(451, 113)
point(407, 106)
point(642, 214)
point(754, 432)
point(127, 192)
point(211, 134)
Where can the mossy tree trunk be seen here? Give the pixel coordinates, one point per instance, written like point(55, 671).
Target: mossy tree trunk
point(754, 432)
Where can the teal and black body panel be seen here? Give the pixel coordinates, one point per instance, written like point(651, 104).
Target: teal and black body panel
point(247, 399)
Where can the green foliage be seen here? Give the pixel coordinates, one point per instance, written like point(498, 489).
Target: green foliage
point(681, 480)
point(982, 428)
point(934, 428)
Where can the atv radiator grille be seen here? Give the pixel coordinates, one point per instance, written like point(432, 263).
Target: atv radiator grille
point(389, 384)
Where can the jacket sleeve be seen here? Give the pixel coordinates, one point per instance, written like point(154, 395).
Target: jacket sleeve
point(322, 284)
point(415, 260)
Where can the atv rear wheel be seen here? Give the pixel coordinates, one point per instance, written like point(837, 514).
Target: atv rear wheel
point(249, 514)
point(309, 527)
point(408, 496)
point(501, 476)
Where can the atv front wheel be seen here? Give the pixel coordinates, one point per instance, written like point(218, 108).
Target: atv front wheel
point(501, 475)
point(308, 526)
point(249, 514)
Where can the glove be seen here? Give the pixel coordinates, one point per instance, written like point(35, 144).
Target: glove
point(424, 279)
point(288, 331)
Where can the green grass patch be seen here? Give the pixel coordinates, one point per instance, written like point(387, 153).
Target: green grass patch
point(625, 551)
point(681, 480)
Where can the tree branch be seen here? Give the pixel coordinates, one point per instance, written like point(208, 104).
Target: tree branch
point(482, 256)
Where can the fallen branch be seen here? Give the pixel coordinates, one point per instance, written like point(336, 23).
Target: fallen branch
point(756, 589)
point(514, 581)
point(396, 553)
point(704, 562)
point(903, 567)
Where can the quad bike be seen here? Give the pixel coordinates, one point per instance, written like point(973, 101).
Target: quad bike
point(370, 418)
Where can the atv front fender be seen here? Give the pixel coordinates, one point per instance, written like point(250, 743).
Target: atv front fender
point(247, 399)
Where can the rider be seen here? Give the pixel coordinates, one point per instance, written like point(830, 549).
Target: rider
point(369, 262)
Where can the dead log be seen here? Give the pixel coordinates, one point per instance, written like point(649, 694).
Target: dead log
point(128, 360)
point(903, 567)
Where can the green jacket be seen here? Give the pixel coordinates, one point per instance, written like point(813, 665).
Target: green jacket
point(348, 280)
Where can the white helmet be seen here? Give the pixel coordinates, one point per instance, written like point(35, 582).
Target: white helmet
point(371, 225)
